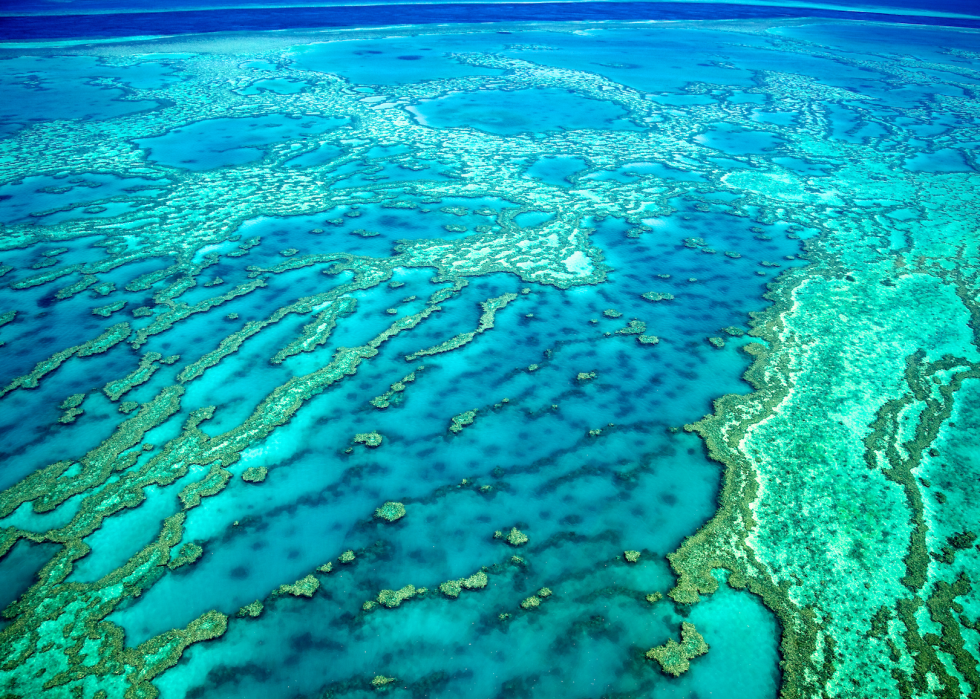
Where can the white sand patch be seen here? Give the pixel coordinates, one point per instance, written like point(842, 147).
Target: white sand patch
point(579, 264)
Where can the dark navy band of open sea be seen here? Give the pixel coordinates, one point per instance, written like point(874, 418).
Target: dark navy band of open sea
point(225, 19)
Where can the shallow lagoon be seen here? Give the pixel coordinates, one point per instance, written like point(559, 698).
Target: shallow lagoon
point(508, 113)
point(389, 61)
point(220, 142)
point(41, 88)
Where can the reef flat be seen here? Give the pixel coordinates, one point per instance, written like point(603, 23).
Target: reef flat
point(379, 361)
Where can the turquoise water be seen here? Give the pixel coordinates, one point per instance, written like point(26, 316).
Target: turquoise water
point(507, 113)
point(556, 169)
point(549, 250)
point(389, 61)
point(49, 200)
point(221, 142)
point(35, 86)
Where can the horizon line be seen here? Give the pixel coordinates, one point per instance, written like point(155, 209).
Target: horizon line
point(789, 4)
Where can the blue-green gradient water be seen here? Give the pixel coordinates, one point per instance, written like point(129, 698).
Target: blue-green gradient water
point(170, 172)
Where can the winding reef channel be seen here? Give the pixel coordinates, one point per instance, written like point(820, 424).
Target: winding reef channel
point(338, 363)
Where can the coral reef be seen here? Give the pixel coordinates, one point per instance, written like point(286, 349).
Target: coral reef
point(842, 488)
point(452, 588)
point(369, 439)
point(390, 511)
point(393, 598)
point(188, 553)
point(255, 474)
point(253, 609)
point(381, 682)
point(516, 537)
point(462, 420)
point(674, 658)
point(304, 587)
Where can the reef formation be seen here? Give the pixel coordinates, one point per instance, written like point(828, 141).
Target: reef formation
point(255, 288)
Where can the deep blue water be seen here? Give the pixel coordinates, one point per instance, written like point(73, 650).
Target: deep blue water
point(56, 7)
point(160, 20)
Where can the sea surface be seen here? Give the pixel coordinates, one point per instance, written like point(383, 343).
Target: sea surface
point(483, 270)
